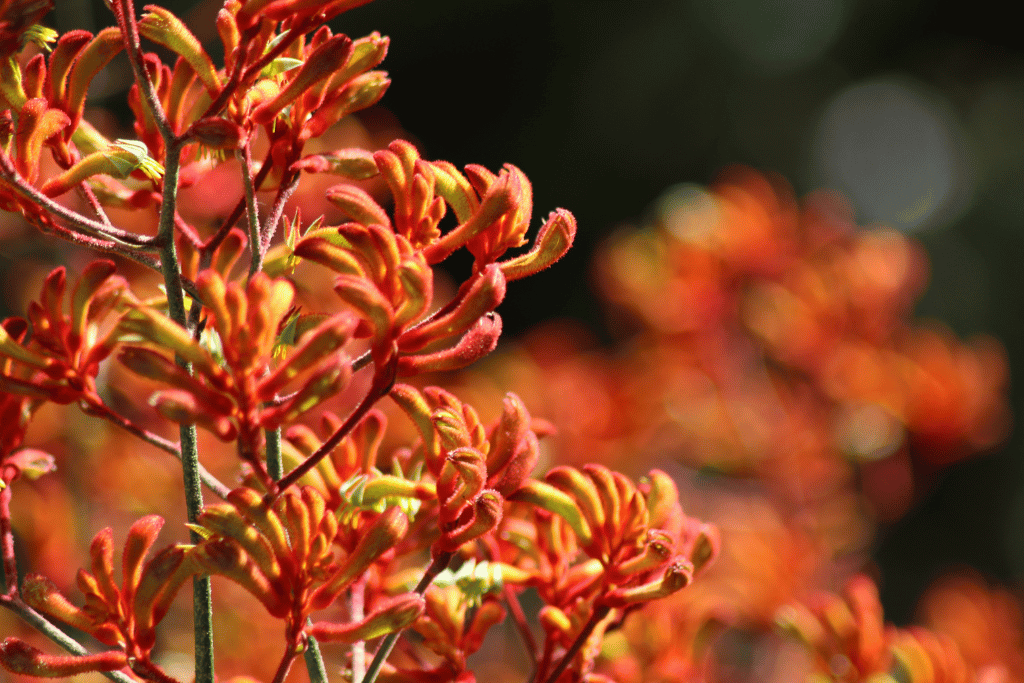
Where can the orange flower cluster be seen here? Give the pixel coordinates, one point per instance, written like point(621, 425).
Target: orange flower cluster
point(344, 531)
point(768, 360)
point(771, 379)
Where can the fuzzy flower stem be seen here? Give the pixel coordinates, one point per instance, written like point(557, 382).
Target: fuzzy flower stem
point(90, 197)
point(41, 624)
point(285, 666)
point(437, 565)
point(252, 212)
point(288, 186)
point(81, 224)
point(357, 611)
point(202, 598)
point(229, 88)
point(383, 380)
point(125, 11)
point(599, 613)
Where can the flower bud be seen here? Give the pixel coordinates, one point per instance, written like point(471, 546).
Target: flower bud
point(677, 575)
point(226, 521)
point(31, 463)
point(120, 160)
point(554, 620)
point(358, 205)
point(141, 537)
point(364, 296)
point(163, 27)
point(383, 534)
point(362, 92)
point(324, 251)
point(500, 199)
point(218, 133)
point(476, 343)
point(658, 548)
point(547, 497)
point(69, 45)
point(480, 295)
point(392, 615)
point(225, 558)
point(367, 52)
point(184, 407)
point(161, 579)
point(316, 346)
point(36, 124)
point(487, 513)
point(352, 163)
point(91, 60)
point(582, 489)
point(320, 64)
point(389, 486)
point(19, 657)
point(41, 594)
point(553, 241)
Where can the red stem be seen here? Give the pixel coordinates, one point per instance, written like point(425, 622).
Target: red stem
point(383, 380)
point(7, 535)
point(285, 665)
point(600, 613)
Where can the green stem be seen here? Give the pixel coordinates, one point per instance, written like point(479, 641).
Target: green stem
point(202, 605)
point(314, 660)
point(251, 213)
point(275, 464)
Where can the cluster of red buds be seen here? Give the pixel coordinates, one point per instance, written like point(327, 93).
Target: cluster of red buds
point(341, 530)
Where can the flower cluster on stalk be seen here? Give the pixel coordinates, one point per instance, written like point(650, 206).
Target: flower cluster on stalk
point(338, 528)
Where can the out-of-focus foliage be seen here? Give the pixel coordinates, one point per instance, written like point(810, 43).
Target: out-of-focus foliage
point(770, 360)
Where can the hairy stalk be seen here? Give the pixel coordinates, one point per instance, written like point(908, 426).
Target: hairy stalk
point(202, 598)
point(285, 666)
point(236, 213)
point(437, 565)
point(48, 629)
point(288, 186)
point(124, 10)
point(202, 606)
point(151, 672)
point(97, 208)
point(252, 213)
point(519, 619)
point(81, 223)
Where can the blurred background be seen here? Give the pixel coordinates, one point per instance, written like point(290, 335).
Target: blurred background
point(914, 110)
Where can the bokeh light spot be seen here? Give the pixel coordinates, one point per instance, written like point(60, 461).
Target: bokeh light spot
point(898, 153)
